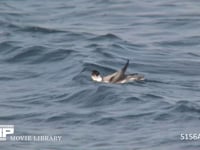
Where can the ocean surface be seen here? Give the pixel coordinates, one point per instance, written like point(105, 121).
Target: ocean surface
point(48, 49)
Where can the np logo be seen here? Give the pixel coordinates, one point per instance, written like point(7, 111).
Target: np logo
point(6, 130)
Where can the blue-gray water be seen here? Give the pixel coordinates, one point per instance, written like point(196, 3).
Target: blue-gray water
point(48, 49)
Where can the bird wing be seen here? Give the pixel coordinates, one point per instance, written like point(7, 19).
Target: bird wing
point(117, 75)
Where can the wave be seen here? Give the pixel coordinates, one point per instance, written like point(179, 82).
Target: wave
point(87, 66)
point(152, 96)
point(180, 111)
point(101, 95)
point(193, 54)
point(27, 54)
point(8, 47)
point(10, 25)
point(104, 121)
point(39, 29)
point(37, 54)
point(29, 28)
point(186, 107)
point(57, 55)
point(106, 37)
point(163, 117)
point(134, 100)
point(139, 115)
point(19, 116)
point(73, 117)
point(186, 41)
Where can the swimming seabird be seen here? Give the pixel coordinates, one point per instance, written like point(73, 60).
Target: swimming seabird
point(117, 77)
